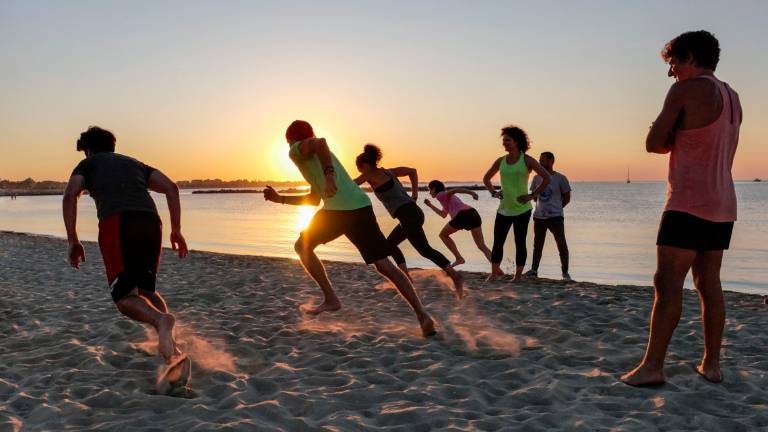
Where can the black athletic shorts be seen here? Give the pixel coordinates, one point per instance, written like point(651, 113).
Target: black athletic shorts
point(130, 243)
point(467, 219)
point(359, 226)
point(686, 231)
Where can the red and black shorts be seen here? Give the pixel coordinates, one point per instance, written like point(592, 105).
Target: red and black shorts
point(130, 243)
point(359, 226)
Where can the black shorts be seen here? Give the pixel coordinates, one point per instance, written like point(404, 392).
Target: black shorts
point(686, 231)
point(359, 226)
point(468, 219)
point(130, 243)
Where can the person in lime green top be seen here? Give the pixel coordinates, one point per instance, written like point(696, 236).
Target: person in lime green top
point(346, 211)
point(515, 201)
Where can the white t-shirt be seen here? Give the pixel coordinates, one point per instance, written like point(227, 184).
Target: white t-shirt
point(550, 203)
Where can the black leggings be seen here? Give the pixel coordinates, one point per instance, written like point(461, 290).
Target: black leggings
point(410, 227)
point(501, 229)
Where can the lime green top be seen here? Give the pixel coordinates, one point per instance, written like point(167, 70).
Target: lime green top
point(514, 182)
point(348, 196)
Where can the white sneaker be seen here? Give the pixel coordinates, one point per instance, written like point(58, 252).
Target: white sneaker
point(567, 277)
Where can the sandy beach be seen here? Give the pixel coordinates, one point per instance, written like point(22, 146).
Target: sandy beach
point(538, 355)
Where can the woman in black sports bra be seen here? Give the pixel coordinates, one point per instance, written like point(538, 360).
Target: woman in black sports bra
point(402, 207)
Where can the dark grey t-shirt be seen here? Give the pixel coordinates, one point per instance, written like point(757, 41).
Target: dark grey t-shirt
point(117, 183)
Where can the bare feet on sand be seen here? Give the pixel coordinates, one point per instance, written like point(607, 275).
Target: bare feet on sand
point(459, 261)
point(711, 374)
point(643, 376)
point(166, 346)
point(495, 274)
point(427, 326)
point(326, 306)
point(458, 281)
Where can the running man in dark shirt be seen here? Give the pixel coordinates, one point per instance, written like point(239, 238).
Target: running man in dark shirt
point(130, 231)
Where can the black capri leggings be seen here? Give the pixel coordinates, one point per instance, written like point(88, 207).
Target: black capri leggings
point(501, 229)
point(410, 227)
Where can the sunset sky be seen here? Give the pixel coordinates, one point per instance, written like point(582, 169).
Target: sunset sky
point(206, 89)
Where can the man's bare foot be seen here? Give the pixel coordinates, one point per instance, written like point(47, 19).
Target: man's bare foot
point(166, 346)
point(643, 376)
point(458, 281)
point(459, 261)
point(427, 326)
point(326, 306)
point(712, 374)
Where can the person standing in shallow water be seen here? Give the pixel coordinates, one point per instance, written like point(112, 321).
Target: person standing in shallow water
point(699, 127)
point(346, 211)
point(402, 207)
point(515, 201)
point(130, 231)
point(549, 215)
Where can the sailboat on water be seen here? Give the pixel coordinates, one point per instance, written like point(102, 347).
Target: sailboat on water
point(628, 182)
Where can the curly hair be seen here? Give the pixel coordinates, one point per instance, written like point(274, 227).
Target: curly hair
point(96, 140)
point(519, 135)
point(702, 46)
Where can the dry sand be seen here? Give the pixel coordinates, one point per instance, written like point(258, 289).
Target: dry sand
point(541, 355)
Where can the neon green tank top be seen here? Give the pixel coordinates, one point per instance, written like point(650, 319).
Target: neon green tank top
point(514, 182)
point(348, 196)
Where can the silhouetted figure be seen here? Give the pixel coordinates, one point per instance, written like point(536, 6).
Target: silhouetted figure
point(346, 211)
point(402, 207)
point(130, 231)
point(699, 127)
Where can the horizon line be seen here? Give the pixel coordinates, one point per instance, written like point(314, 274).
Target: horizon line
point(304, 182)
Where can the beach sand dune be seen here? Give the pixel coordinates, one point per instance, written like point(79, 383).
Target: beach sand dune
point(541, 355)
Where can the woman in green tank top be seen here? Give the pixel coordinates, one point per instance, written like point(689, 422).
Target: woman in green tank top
point(515, 201)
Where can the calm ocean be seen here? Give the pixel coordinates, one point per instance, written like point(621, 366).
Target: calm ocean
point(611, 230)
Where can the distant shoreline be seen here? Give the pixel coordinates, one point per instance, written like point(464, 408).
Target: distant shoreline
point(475, 186)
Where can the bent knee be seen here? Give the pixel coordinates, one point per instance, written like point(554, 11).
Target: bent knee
point(302, 246)
point(122, 304)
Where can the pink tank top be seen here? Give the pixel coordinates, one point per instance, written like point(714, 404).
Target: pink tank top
point(453, 205)
point(700, 181)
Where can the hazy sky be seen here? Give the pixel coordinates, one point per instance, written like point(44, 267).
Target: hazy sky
point(206, 89)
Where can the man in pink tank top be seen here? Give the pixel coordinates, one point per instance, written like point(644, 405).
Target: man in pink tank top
point(699, 127)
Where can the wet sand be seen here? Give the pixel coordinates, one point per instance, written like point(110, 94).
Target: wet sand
point(538, 355)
